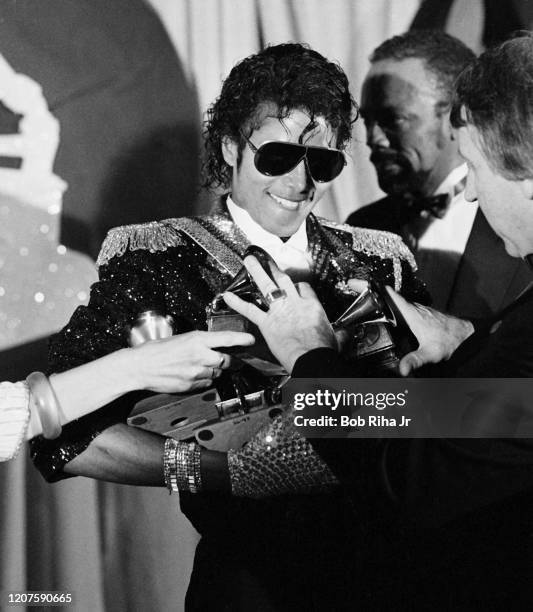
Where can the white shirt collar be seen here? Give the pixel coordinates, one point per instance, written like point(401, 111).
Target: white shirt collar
point(291, 256)
point(259, 236)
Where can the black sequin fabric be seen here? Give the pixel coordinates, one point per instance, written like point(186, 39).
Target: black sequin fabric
point(177, 266)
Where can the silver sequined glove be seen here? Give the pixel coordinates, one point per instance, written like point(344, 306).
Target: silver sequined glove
point(276, 461)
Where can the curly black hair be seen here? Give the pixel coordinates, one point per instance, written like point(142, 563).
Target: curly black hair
point(289, 76)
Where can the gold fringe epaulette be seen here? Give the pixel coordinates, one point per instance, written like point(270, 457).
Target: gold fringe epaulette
point(385, 245)
point(153, 236)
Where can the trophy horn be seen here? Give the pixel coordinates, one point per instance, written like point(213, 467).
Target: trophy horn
point(369, 307)
point(374, 305)
point(243, 284)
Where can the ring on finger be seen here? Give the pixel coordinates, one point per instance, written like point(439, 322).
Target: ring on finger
point(221, 362)
point(275, 295)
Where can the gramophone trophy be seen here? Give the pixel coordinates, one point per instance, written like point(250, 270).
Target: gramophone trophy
point(378, 333)
point(220, 317)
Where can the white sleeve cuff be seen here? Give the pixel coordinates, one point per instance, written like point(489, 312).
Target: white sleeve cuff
point(14, 417)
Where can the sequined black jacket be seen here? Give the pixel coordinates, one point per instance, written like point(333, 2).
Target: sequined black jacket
point(177, 266)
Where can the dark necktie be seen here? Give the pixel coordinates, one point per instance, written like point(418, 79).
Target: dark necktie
point(436, 205)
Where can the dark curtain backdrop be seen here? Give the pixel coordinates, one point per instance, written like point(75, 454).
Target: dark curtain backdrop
point(499, 18)
point(129, 152)
point(130, 123)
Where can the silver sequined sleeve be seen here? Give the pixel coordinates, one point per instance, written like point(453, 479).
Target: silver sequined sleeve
point(278, 460)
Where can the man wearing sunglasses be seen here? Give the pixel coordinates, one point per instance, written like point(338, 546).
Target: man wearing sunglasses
point(274, 141)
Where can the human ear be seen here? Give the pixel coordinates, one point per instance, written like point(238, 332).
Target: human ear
point(447, 129)
point(230, 151)
point(453, 132)
point(526, 186)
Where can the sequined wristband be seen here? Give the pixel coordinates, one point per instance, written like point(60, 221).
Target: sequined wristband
point(169, 464)
point(194, 475)
point(181, 466)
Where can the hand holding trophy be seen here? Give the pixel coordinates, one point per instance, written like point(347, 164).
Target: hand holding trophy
point(286, 320)
point(371, 331)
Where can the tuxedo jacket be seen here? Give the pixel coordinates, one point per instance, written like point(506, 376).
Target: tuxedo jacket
point(449, 523)
point(487, 278)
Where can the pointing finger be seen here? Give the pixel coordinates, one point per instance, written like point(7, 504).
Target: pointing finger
point(220, 339)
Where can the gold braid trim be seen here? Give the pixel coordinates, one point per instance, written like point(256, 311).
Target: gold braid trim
point(377, 243)
point(153, 236)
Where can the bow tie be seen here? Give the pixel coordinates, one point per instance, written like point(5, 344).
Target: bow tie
point(413, 220)
point(435, 205)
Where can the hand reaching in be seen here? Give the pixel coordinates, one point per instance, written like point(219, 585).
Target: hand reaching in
point(184, 362)
point(295, 322)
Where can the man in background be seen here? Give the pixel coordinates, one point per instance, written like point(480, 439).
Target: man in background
point(405, 104)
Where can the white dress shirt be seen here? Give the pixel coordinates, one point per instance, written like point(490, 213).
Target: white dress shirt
point(291, 256)
point(443, 243)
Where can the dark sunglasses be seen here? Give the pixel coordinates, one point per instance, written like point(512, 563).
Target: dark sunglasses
point(274, 158)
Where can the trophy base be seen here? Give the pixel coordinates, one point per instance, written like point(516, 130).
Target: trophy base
point(375, 351)
point(215, 424)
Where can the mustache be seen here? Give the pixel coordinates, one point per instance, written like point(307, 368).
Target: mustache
point(382, 156)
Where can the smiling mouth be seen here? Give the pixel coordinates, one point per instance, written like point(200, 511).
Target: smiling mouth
point(291, 205)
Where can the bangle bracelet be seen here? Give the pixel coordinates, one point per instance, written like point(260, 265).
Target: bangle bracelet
point(169, 464)
point(46, 403)
point(181, 466)
point(193, 468)
point(182, 479)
